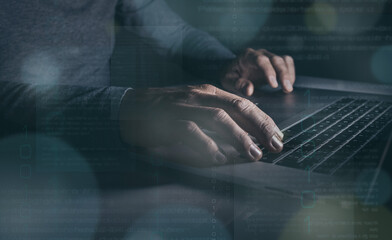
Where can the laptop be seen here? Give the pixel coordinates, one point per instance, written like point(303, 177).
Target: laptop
point(335, 132)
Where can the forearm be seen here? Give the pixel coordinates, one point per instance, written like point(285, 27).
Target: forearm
point(84, 117)
point(203, 55)
point(155, 23)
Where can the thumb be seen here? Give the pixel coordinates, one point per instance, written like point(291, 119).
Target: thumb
point(239, 85)
point(244, 86)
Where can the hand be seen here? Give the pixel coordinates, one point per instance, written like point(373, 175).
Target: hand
point(256, 67)
point(165, 116)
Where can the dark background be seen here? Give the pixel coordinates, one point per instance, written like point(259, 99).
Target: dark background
point(345, 37)
point(340, 39)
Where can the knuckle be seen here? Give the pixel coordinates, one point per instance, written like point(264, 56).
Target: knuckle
point(190, 127)
point(241, 104)
point(208, 87)
point(248, 103)
point(249, 52)
point(263, 59)
point(267, 125)
point(238, 104)
point(268, 120)
point(288, 59)
point(277, 60)
point(219, 115)
point(191, 95)
point(287, 75)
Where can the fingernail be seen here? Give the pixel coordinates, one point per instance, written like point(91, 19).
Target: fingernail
point(279, 133)
point(220, 158)
point(288, 85)
point(255, 152)
point(273, 81)
point(276, 143)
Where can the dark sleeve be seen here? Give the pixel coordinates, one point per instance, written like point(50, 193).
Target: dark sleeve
point(84, 117)
point(154, 21)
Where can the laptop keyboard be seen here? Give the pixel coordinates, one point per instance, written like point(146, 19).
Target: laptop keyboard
point(336, 137)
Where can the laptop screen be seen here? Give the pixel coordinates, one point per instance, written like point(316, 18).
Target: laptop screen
point(348, 40)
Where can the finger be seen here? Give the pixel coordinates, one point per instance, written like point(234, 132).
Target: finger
point(266, 52)
point(269, 73)
point(190, 134)
point(290, 65)
point(219, 121)
point(248, 116)
point(244, 86)
point(229, 84)
point(283, 73)
point(238, 85)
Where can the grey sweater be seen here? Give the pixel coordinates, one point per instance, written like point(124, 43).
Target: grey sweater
point(54, 63)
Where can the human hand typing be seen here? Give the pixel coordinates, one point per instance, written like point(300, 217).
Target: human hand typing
point(166, 116)
point(256, 67)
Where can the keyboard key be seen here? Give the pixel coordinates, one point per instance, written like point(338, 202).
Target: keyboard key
point(338, 131)
point(292, 131)
point(318, 140)
point(368, 156)
point(308, 147)
point(292, 144)
point(320, 127)
point(344, 100)
point(291, 160)
point(300, 139)
point(307, 123)
point(307, 162)
point(270, 157)
point(333, 161)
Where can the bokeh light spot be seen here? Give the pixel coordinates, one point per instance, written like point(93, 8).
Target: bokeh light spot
point(41, 68)
point(338, 217)
point(321, 18)
point(295, 43)
point(45, 204)
point(381, 64)
point(234, 23)
point(177, 221)
point(374, 192)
